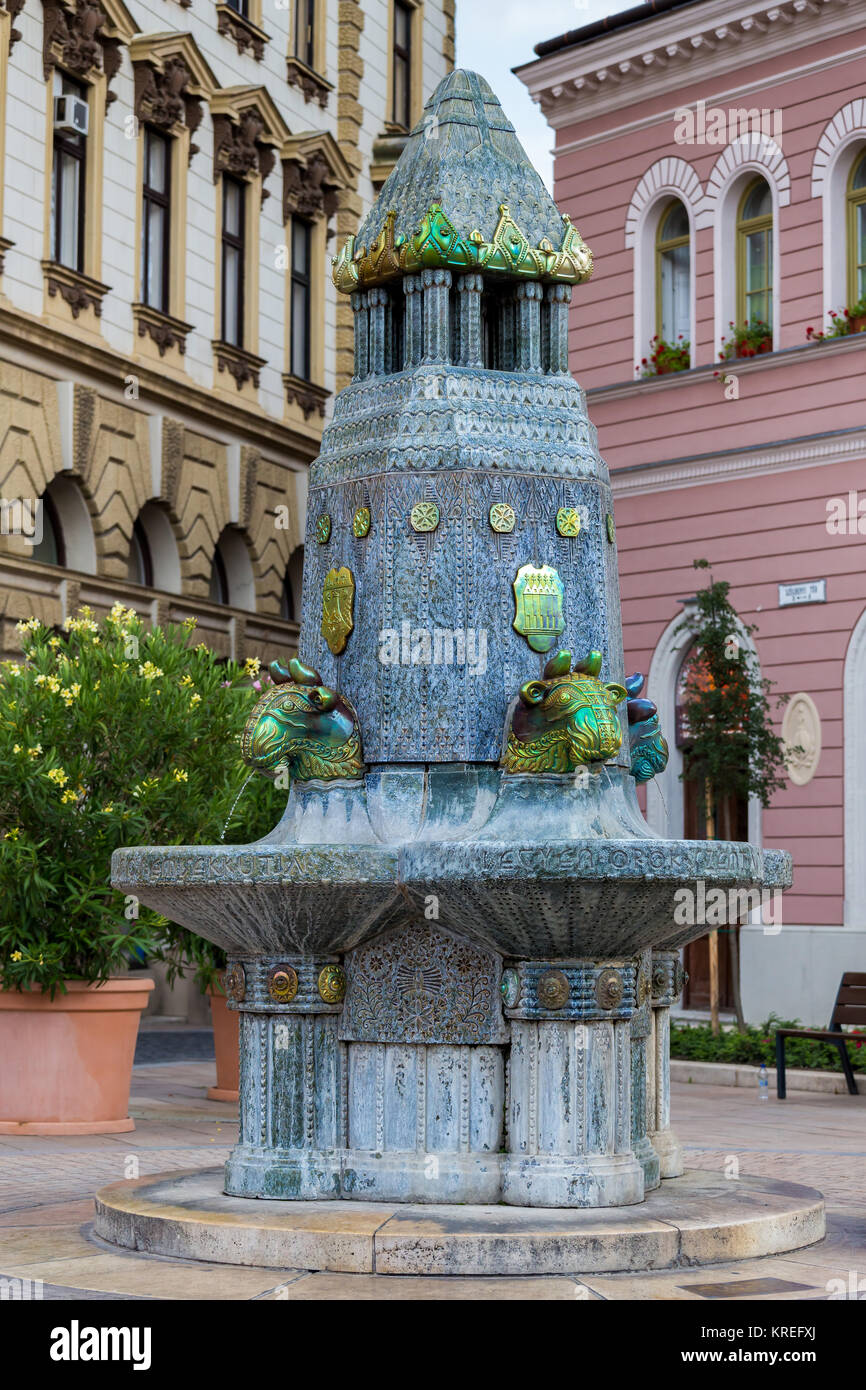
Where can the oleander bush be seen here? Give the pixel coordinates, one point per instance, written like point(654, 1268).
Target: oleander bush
point(752, 1046)
point(113, 734)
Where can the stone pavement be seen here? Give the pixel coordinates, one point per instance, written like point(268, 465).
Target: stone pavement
point(46, 1187)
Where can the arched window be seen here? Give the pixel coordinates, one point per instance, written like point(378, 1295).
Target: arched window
point(67, 530)
point(140, 567)
point(219, 584)
point(290, 604)
point(153, 554)
point(232, 580)
point(50, 550)
point(857, 230)
point(755, 254)
point(673, 271)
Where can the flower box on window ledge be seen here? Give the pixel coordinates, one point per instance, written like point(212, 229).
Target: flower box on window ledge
point(79, 291)
point(165, 330)
point(666, 357)
point(305, 394)
point(851, 319)
point(242, 365)
point(749, 340)
point(313, 86)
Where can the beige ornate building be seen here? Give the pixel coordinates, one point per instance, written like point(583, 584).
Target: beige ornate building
point(174, 178)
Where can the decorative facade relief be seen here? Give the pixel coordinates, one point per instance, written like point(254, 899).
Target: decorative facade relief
point(420, 985)
point(73, 38)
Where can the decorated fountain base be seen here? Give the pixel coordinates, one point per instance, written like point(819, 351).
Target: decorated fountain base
point(699, 1218)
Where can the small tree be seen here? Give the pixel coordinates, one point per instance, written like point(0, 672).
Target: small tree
point(113, 734)
point(734, 751)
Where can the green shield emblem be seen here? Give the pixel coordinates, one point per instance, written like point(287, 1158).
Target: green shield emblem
point(538, 606)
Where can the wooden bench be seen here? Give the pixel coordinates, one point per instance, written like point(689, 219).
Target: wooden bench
point(850, 1007)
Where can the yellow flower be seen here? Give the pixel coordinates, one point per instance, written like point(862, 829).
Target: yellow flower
point(17, 955)
point(53, 684)
point(189, 623)
point(201, 647)
point(180, 775)
point(108, 808)
point(35, 751)
point(31, 625)
point(194, 700)
point(70, 693)
point(13, 834)
point(96, 685)
point(69, 795)
point(16, 748)
point(56, 774)
point(252, 666)
point(187, 680)
point(54, 641)
point(149, 671)
point(40, 679)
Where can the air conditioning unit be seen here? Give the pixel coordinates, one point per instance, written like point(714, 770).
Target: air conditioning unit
point(70, 115)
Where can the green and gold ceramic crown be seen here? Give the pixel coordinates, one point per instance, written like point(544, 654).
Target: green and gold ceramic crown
point(463, 197)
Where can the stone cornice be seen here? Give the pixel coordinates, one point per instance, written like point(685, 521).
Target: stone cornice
point(244, 366)
point(305, 394)
point(310, 83)
point(28, 341)
point(809, 451)
point(697, 44)
point(165, 330)
point(78, 290)
point(233, 25)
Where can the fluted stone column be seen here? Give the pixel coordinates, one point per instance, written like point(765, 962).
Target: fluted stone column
point(362, 336)
point(568, 1110)
point(293, 1078)
point(506, 331)
point(558, 298)
point(469, 289)
point(668, 979)
point(641, 1044)
point(529, 295)
point(437, 319)
point(413, 328)
point(377, 301)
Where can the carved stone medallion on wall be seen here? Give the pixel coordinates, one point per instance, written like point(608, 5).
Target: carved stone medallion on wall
point(801, 735)
point(421, 985)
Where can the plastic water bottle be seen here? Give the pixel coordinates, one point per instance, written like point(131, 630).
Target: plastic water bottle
point(763, 1082)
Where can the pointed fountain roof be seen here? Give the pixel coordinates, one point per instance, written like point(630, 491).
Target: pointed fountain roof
point(463, 195)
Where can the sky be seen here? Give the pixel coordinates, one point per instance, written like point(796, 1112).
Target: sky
point(493, 36)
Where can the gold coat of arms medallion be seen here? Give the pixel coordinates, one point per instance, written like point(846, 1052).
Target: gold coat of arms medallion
point(338, 599)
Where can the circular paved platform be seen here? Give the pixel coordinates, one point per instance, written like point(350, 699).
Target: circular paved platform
point(700, 1218)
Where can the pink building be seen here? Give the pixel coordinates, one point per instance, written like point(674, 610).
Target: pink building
point(713, 155)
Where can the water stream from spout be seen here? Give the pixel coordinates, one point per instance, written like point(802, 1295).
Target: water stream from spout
point(234, 804)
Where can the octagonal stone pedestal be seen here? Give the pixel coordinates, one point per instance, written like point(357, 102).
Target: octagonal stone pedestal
point(700, 1218)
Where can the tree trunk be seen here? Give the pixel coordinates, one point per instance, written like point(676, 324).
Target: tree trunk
point(713, 936)
point(733, 940)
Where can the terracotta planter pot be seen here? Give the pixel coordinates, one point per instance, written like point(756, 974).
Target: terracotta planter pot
point(225, 1044)
point(858, 323)
point(67, 1062)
